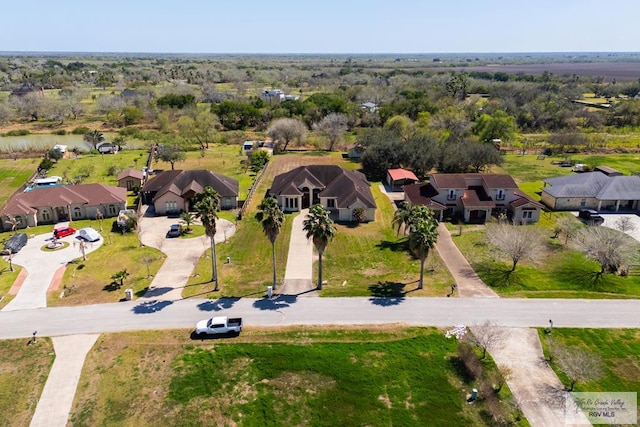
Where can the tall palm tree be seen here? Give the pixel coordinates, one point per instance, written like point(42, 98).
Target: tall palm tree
point(271, 217)
point(320, 229)
point(401, 217)
point(206, 207)
point(423, 235)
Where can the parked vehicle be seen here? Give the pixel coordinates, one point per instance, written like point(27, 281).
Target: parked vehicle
point(174, 231)
point(590, 217)
point(219, 325)
point(15, 243)
point(89, 234)
point(63, 232)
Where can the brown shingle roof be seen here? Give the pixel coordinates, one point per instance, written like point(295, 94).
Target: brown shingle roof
point(186, 180)
point(476, 197)
point(421, 194)
point(133, 173)
point(459, 180)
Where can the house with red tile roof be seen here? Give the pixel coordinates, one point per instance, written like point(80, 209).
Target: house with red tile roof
point(474, 196)
point(49, 205)
point(338, 190)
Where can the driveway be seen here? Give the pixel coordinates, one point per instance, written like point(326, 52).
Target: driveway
point(41, 266)
point(610, 220)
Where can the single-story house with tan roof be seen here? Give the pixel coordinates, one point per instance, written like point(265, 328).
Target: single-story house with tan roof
point(49, 205)
point(475, 196)
point(130, 178)
point(338, 190)
point(171, 192)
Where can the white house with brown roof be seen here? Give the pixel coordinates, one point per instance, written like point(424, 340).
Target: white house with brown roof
point(338, 190)
point(475, 196)
point(50, 205)
point(171, 192)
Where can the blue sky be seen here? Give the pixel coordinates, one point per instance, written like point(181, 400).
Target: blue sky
point(321, 26)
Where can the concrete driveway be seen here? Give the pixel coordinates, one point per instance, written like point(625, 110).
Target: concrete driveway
point(610, 220)
point(41, 266)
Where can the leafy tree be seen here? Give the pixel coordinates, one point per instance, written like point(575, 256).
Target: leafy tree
point(170, 154)
point(283, 131)
point(201, 129)
point(498, 125)
point(54, 154)
point(259, 158)
point(236, 115)
point(421, 154)
point(206, 207)
point(402, 126)
point(333, 126)
point(131, 115)
point(457, 86)
point(174, 100)
point(482, 155)
point(423, 234)
point(518, 242)
point(319, 227)
point(610, 248)
point(272, 218)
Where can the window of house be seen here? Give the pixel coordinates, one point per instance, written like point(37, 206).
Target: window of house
point(500, 195)
point(77, 212)
point(112, 210)
point(171, 206)
point(130, 185)
point(331, 203)
point(527, 215)
point(227, 202)
point(583, 203)
point(451, 195)
point(46, 215)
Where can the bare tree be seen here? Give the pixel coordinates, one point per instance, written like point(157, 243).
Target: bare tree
point(577, 363)
point(283, 131)
point(333, 126)
point(518, 242)
point(201, 128)
point(5, 113)
point(567, 225)
point(29, 105)
point(12, 221)
point(625, 224)
point(610, 248)
point(147, 260)
point(486, 336)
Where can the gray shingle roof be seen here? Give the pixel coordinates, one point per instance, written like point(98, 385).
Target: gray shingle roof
point(596, 185)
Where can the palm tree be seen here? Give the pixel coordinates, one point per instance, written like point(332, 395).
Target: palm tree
point(423, 235)
point(272, 218)
point(401, 217)
point(320, 229)
point(94, 137)
point(206, 207)
point(187, 218)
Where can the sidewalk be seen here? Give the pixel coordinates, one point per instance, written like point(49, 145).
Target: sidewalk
point(298, 276)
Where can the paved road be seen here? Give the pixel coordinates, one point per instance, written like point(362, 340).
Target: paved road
point(289, 310)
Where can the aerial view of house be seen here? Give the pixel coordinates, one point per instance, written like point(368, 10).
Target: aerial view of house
point(337, 189)
point(475, 196)
point(50, 205)
point(592, 190)
point(170, 192)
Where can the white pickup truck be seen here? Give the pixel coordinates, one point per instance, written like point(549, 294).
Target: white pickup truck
point(219, 325)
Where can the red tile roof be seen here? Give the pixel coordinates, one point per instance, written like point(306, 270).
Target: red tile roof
point(399, 174)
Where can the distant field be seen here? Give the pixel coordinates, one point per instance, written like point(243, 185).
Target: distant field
point(14, 173)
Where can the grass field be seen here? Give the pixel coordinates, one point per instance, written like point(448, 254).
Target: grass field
point(619, 350)
point(14, 173)
point(23, 372)
point(327, 376)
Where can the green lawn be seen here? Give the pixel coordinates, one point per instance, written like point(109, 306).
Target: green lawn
point(619, 350)
point(318, 376)
point(14, 173)
point(560, 273)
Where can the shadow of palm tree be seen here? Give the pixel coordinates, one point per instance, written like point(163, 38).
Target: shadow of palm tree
point(401, 245)
point(148, 307)
point(156, 292)
point(278, 303)
point(218, 304)
point(387, 293)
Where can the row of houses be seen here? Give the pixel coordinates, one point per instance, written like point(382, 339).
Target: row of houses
point(474, 197)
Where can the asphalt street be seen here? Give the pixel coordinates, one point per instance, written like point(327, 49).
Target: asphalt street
point(289, 310)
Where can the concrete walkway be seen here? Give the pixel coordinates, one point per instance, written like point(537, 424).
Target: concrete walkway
point(182, 255)
point(59, 390)
point(468, 282)
point(33, 292)
point(298, 276)
point(537, 389)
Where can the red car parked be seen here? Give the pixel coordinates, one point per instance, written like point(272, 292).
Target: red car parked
point(63, 232)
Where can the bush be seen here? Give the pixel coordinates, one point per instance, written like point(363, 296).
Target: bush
point(470, 361)
point(113, 170)
point(80, 130)
point(19, 132)
point(60, 132)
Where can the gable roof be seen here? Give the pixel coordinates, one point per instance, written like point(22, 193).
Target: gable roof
point(183, 181)
point(459, 180)
point(130, 173)
point(594, 184)
point(398, 174)
point(332, 180)
point(421, 194)
point(91, 194)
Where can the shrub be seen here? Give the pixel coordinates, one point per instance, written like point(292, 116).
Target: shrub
point(80, 130)
point(19, 132)
point(60, 132)
point(113, 170)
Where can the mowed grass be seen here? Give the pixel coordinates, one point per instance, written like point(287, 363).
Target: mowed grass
point(89, 281)
point(7, 278)
point(23, 373)
point(14, 173)
point(559, 273)
point(326, 376)
point(619, 350)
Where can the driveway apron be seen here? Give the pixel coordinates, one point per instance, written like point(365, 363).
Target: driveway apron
point(298, 276)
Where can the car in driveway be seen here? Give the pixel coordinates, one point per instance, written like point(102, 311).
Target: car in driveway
point(63, 232)
point(89, 234)
point(174, 231)
point(590, 217)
